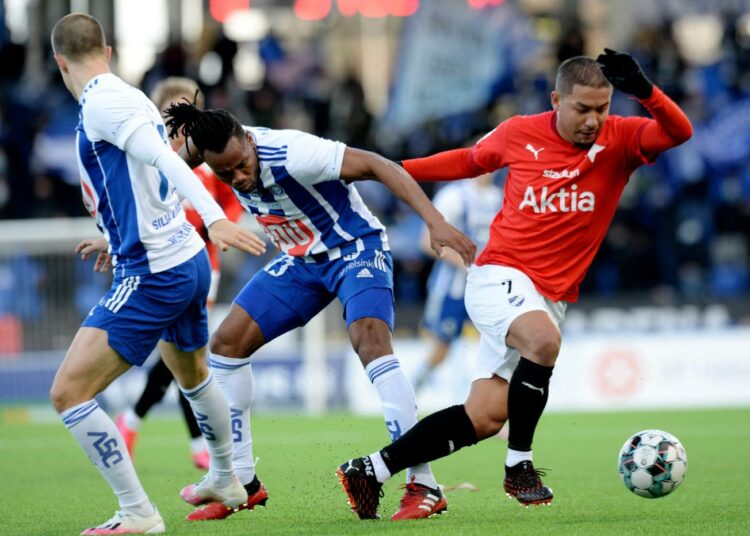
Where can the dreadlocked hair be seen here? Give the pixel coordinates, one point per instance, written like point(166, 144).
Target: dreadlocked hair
point(208, 129)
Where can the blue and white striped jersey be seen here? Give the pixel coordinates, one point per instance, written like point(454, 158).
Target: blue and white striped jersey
point(135, 205)
point(300, 201)
point(470, 207)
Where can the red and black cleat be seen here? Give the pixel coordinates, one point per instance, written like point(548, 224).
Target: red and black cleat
point(357, 477)
point(257, 495)
point(522, 482)
point(420, 502)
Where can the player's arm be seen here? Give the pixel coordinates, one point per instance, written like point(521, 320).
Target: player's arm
point(670, 126)
point(362, 165)
point(452, 208)
point(147, 146)
point(446, 166)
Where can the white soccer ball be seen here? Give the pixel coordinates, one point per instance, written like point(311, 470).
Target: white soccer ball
point(652, 463)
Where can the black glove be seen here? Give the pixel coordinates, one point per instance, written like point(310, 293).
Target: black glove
point(623, 72)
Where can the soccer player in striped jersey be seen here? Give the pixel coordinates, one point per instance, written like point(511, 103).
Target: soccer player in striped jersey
point(470, 206)
point(168, 91)
point(130, 178)
point(567, 170)
point(298, 187)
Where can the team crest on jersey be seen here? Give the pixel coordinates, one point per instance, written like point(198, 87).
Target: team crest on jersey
point(276, 190)
point(517, 300)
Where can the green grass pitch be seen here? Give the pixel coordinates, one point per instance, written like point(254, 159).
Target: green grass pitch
point(49, 487)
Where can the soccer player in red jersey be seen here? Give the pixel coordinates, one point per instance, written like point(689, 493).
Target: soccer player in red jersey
point(567, 170)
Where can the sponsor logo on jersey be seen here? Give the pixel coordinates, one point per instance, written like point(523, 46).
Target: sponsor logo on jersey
point(167, 217)
point(564, 174)
point(364, 273)
point(563, 200)
point(534, 150)
point(517, 300)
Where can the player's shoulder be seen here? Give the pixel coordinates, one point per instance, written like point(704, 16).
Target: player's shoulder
point(531, 121)
point(617, 125)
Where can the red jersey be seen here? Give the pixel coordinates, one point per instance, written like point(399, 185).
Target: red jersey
point(559, 198)
point(226, 200)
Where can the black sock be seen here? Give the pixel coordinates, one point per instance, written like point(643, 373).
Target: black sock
point(187, 411)
point(435, 436)
point(527, 396)
point(159, 378)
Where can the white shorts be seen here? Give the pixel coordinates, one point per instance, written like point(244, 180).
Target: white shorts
point(495, 296)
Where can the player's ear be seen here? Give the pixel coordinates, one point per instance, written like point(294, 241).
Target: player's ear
point(61, 63)
point(555, 100)
point(108, 53)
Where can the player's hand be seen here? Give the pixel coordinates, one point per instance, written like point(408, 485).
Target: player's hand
point(226, 234)
point(98, 246)
point(443, 234)
point(623, 71)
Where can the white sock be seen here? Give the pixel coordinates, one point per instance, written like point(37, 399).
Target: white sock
point(236, 379)
point(210, 409)
point(132, 420)
point(103, 444)
point(382, 473)
point(399, 408)
point(197, 444)
point(514, 457)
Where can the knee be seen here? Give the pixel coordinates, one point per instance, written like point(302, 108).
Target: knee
point(545, 349)
point(59, 398)
point(225, 346)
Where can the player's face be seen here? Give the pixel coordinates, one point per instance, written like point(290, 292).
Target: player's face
point(237, 165)
point(581, 114)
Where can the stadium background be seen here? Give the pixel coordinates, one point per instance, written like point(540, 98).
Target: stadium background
point(664, 318)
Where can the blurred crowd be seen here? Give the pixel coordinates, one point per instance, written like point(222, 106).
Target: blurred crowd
point(682, 230)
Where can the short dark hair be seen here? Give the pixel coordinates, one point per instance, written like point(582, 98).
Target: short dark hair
point(167, 91)
point(77, 36)
point(580, 70)
point(208, 129)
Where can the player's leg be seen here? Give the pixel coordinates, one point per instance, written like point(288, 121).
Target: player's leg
point(183, 348)
point(129, 421)
point(260, 313)
point(90, 365)
point(198, 448)
point(369, 316)
point(519, 325)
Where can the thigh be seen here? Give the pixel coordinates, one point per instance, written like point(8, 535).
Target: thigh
point(90, 365)
point(276, 303)
point(138, 309)
point(189, 330)
point(495, 297)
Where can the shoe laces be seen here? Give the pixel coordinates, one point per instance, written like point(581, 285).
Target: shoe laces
point(528, 477)
point(415, 493)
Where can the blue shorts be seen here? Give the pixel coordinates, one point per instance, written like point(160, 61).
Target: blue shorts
point(445, 316)
point(171, 305)
point(289, 291)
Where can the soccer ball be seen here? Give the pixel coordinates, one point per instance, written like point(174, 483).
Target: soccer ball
point(652, 463)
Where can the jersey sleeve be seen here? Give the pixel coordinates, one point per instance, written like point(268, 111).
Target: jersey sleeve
point(113, 116)
point(489, 153)
point(450, 204)
point(312, 159)
point(629, 130)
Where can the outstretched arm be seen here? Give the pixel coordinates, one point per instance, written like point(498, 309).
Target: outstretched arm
point(446, 166)
point(362, 165)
